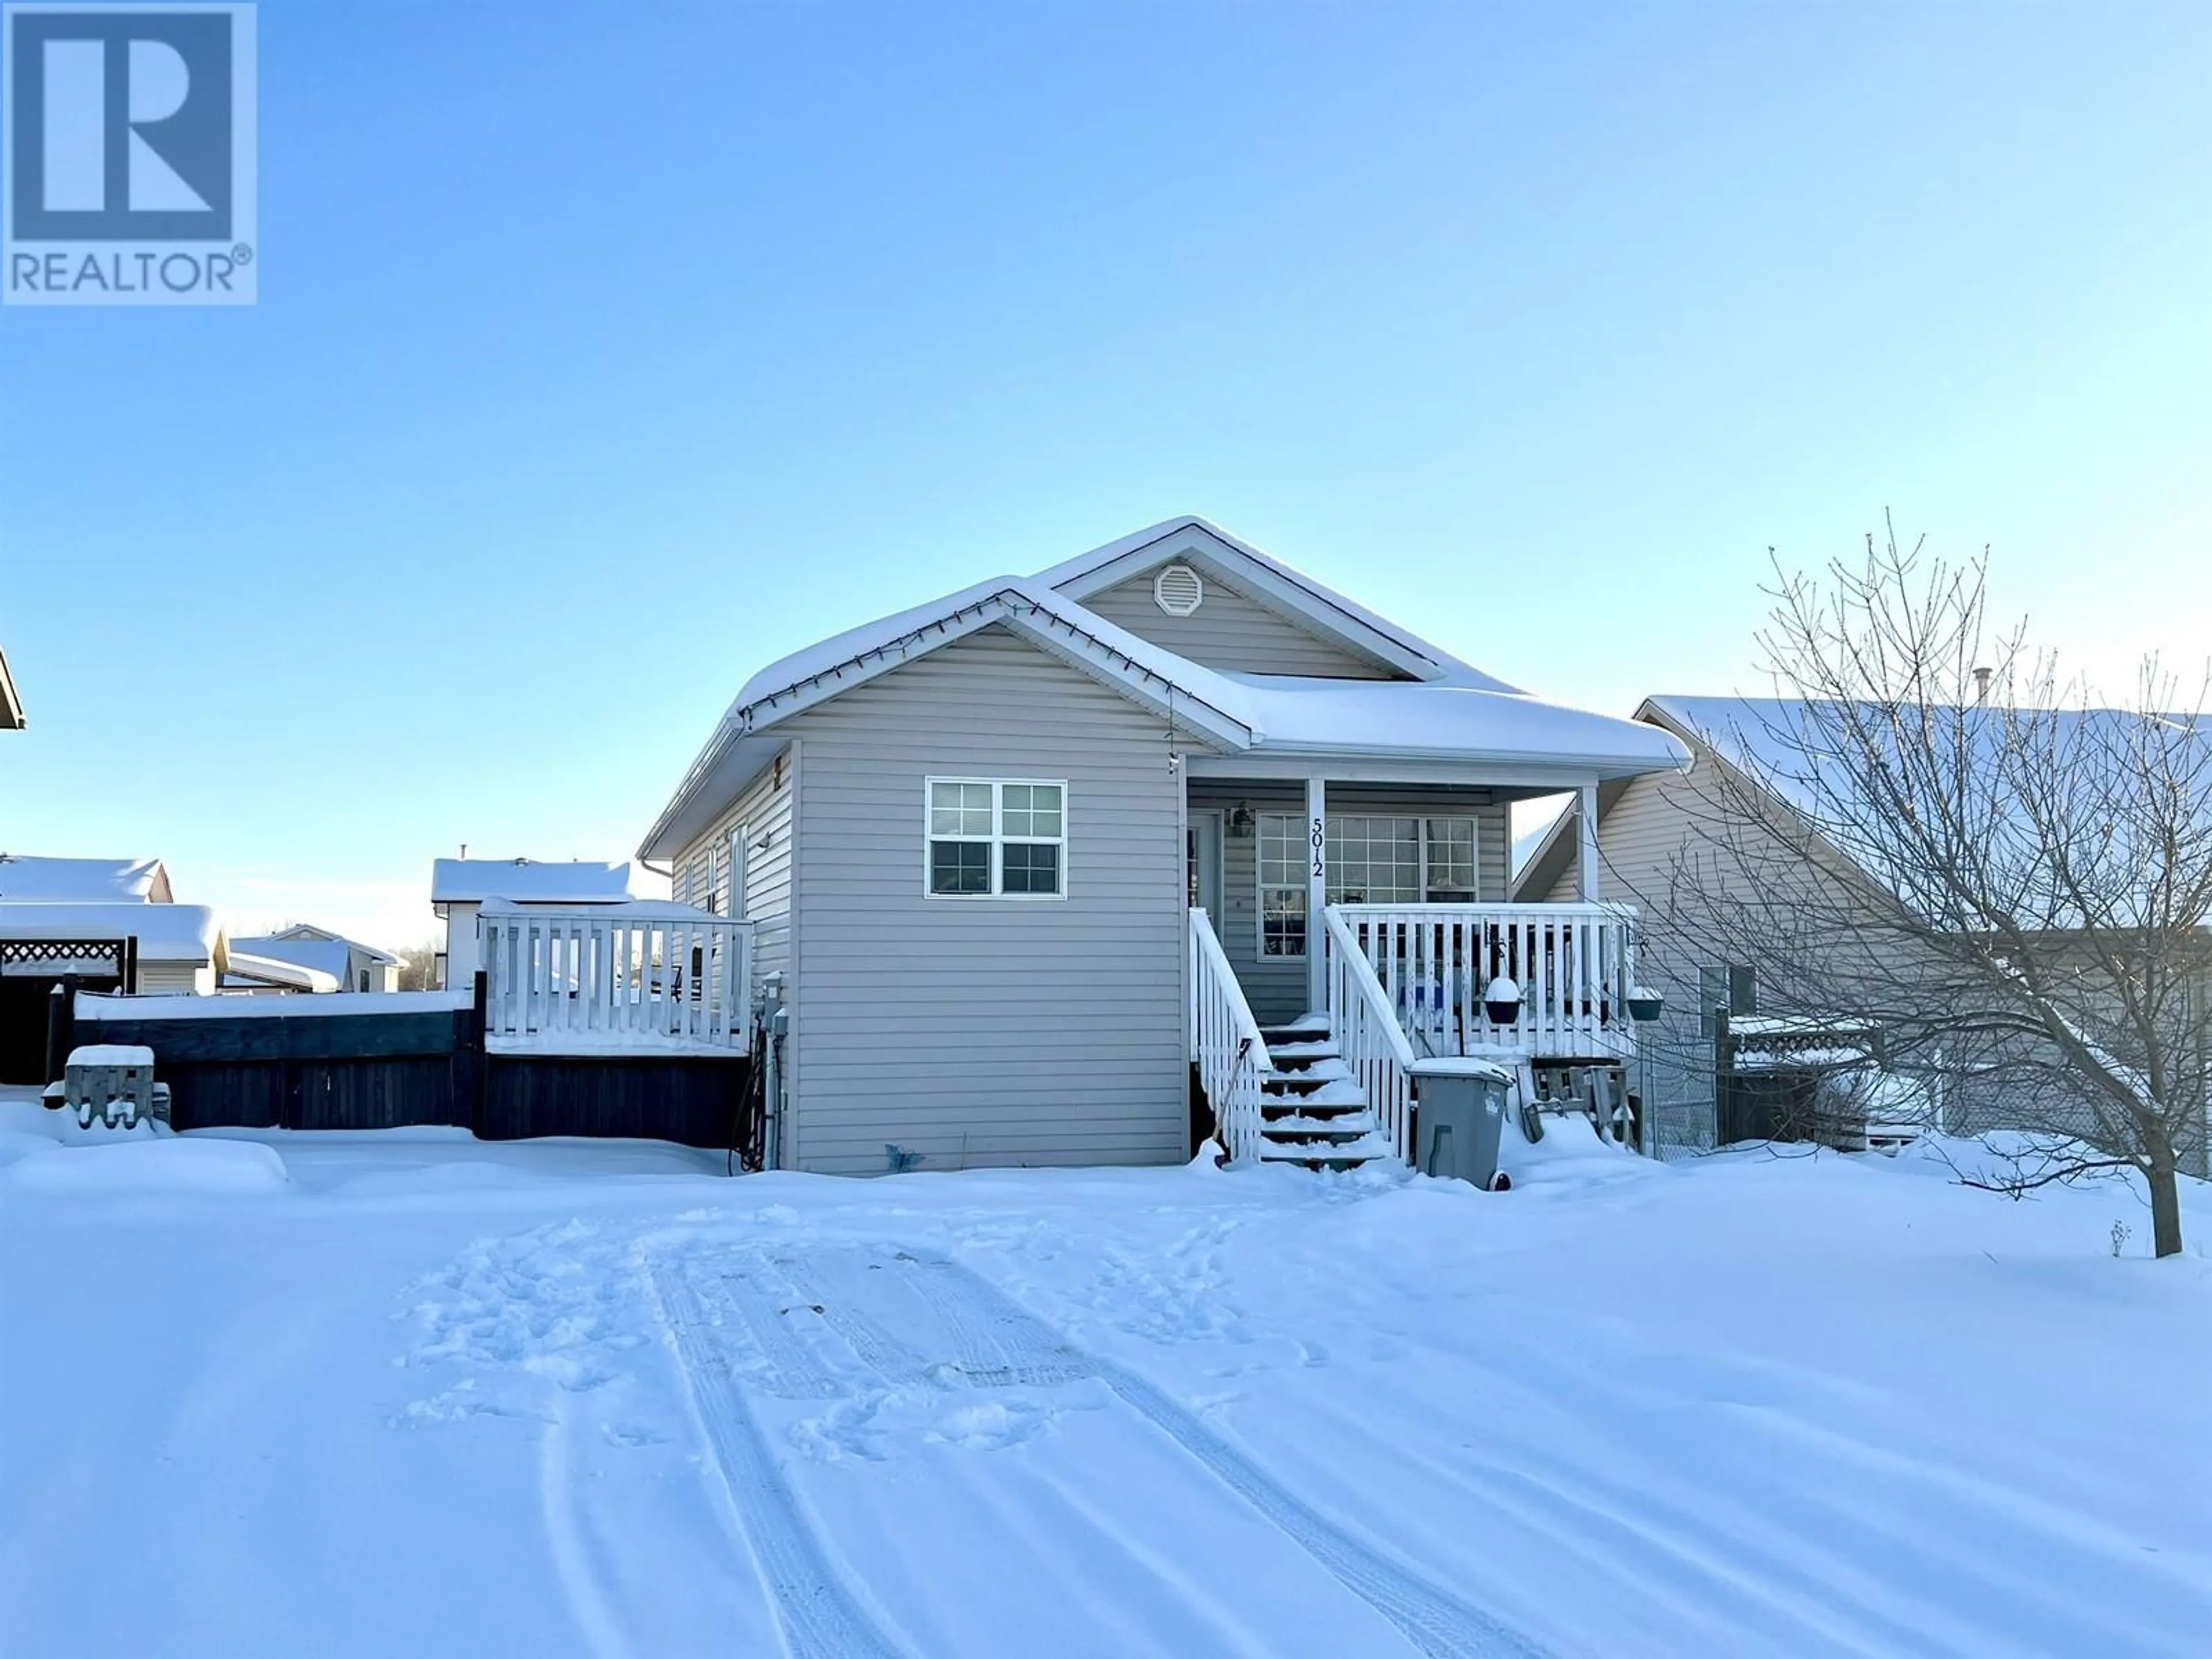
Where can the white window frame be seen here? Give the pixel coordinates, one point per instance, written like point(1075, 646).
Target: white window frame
point(1422, 820)
point(998, 839)
point(1261, 884)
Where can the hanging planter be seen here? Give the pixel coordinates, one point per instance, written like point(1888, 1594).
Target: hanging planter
point(1501, 1003)
point(1645, 1006)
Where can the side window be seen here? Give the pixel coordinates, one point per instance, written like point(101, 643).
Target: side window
point(996, 838)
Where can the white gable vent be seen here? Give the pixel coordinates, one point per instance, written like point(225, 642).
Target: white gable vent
point(1178, 590)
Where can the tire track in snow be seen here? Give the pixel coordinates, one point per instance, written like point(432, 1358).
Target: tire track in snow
point(996, 1328)
point(821, 1619)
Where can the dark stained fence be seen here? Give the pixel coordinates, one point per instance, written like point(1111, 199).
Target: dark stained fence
point(367, 1070)
point(412, 1066)
point(693, 1100)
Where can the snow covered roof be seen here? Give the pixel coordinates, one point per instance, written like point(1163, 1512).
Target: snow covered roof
point(1447, 722)
point(11, 706)
point(306, 931)
point(25, 875)
point(327, 957)
point(1444, 711)
point(471, 881)
point(165, 932)
point(275, 970)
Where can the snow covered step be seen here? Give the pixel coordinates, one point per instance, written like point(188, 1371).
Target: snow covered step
point(1321, 1048)
point(1364, 1151)
point(1277, 1107)
point(1304, 1025)
point(1318, 1071)
point(1348, 1126)
point(1338, 1091)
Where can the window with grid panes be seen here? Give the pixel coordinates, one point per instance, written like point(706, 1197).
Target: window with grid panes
point(1282, 858)
point(997, 838)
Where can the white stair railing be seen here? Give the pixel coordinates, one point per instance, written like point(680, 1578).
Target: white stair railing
point(1225, 1044)
point(1367, 1033)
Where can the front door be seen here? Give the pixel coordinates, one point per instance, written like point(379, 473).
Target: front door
point(1202, 864)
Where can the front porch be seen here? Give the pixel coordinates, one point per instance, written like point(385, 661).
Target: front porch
point(1342, 932)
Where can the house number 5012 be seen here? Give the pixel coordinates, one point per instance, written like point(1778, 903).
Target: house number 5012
point(1320, 842)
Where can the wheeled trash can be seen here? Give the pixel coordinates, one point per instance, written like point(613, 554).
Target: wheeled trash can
point(1459, 1111)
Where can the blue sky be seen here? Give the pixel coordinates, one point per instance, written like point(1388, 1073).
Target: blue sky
point(604, 352)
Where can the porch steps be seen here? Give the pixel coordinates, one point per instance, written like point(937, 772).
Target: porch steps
point(1313, 1110)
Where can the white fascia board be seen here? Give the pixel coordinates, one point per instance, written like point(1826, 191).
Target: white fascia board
point(1280, 592)
point(1067, 641)
point(1367, 767)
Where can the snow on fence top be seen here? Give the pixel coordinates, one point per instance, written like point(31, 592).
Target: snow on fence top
point(471, 881)
point(165, 932)
point(98, 1006)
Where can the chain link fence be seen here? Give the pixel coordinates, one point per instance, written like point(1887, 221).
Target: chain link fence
point(1674, 1076)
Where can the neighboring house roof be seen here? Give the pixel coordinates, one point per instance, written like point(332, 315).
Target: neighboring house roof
point(1445, 711)
point(253, 968)
point(11, 706)
point(329, 957)
point(1753, 736)
point(166, 932)
point(308, 930)
point(471, 881)
point(141, 881)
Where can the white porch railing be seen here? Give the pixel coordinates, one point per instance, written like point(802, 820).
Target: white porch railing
point(1574, 964)
point(1225, 1044)
point(1367, 1032)
point(612, 978)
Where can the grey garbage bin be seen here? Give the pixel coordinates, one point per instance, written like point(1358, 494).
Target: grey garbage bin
point(1460, 1108)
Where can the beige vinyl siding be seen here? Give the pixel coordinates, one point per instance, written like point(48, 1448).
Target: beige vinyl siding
point(1232, 631)
point(174, 978)
point(765, 808)
point(1276, 986)
point(983, 1031)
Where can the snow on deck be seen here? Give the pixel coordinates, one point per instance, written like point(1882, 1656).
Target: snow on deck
point(430, 1395)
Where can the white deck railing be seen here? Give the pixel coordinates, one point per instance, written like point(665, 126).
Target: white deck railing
point(610, 978)
point(1574, 964)
point(1368, 1033)
point(1225, 1044)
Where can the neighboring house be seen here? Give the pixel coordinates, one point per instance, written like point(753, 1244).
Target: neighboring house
point(348, 964)
point(459, 887)
point(11, 706)
point(123, 881)
point(1024, 857)
point(1647, 829)
point(109, 923)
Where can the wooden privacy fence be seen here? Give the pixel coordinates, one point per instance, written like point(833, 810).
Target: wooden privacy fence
point(385, 1060)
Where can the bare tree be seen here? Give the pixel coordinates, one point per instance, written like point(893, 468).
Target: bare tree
point(1928, 830)
point(419, 967)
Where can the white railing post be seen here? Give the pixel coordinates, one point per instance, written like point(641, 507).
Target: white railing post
point(1230, 1054)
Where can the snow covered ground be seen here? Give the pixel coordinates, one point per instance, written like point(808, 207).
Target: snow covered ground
point(409, 1394)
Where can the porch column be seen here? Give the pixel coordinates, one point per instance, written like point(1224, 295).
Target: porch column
point(1317, 893)
point(1586, 844)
